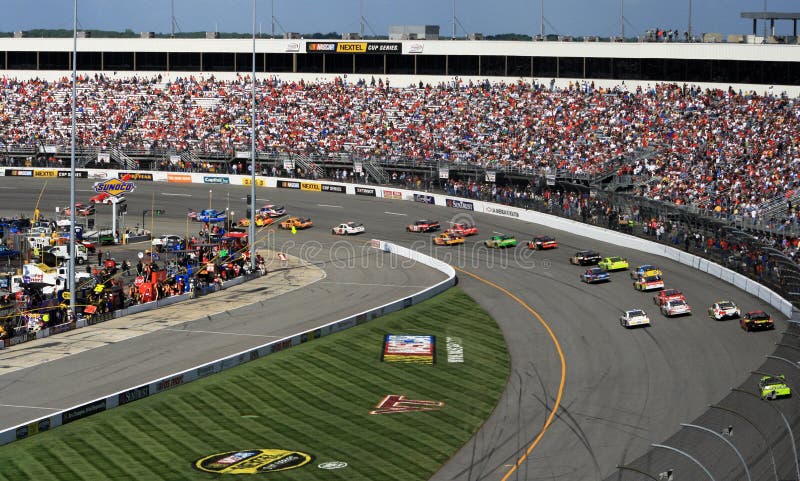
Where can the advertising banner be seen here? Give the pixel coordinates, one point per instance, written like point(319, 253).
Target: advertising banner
point(288, 164)
point(45, 173)
point(103, 158)
point(174, 159)
point(357, 167)
point(368, 191)
point(392, 194)
point(19, 173)
point(214, 179)
point(312, 186)
point(81, 412)
point(459, 204)
point(424, 198)
point(490, 176)
point(444, 173)
point(179, 178)
point(259, 182)
point(288, 184)
point(136, 175)
point(339, 189)
point(354, 47)
point(79, 174)
point(501, 211)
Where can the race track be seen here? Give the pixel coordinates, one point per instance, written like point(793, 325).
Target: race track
point(624, 389)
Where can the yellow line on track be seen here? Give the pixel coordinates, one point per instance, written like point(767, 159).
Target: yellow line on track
point(561, 384)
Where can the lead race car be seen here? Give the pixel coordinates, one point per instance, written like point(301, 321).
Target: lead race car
point(423, 225)
point(349, 228)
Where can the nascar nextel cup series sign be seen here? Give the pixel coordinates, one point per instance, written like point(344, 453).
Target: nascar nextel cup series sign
point(354, 47)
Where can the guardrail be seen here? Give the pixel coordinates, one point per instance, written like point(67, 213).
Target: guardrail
point(120, 398)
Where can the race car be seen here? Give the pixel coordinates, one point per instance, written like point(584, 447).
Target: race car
point(297, 223)
point(272, 210)
point(445, 239)
point(595, 274)
point(645, 270)
point(773, 387)
point(613, 263)
point(542, 242)
point(349, 228)
point(261, 221)
point(668, 295)
point(423, 226)
point(648, 283)
point(634, 318)
point(462, 229)
point(500, 240)
point(81, 209)
point(106, 198)
point(676, 307)
point(756, 320)
point(209, 216)
point(585, 258)
point(722, 310)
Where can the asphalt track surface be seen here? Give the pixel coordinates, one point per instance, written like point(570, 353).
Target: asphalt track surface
point(624, 389)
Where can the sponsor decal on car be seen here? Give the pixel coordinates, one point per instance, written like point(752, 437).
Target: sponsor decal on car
point(288, 184)
point(392, 194)
point(135, 176)
point(501, 211)
point(416, 349)
point(45, 173)
point(252, 461)
point(114, 187)
point(339, 189)
point(424, 198)
point(79, 174)
point(81, 412)
point(459, 204)
point(212, 179)
point(365, 191)
point(397, 403)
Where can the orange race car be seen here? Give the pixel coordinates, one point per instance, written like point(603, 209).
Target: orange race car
point(261, 221)
point(446, 239)
point(297, 223)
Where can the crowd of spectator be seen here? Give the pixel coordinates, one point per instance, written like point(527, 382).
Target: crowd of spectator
point(722, 150)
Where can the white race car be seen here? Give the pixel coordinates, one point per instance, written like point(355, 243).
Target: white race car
point(722, 310)
point(675, 307)
point(634, 318)
point(272, 210)
point(349, 228)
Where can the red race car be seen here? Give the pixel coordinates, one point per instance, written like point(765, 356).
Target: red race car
point(423, 226)
point(462, 229)
point(668, 295)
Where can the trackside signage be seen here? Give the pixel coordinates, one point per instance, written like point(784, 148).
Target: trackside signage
point(288, 184)
point(501, 211)
point(424, 198)
point(339, 189)
point(114, 187)
point(459, 204)
point(369, 191)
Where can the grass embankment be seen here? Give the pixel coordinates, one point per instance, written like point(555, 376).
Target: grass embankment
point(315, 398)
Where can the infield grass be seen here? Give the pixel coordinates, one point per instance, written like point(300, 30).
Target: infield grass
point(314, 398)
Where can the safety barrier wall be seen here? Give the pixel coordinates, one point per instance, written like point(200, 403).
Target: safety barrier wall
point(456, 203)
point(173, 380)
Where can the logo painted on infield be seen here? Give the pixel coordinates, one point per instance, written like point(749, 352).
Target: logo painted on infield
point(397, 403)
point(332, 465)
point(455, 351)
point(252, 461)
point(409, 349)
point(114, 187)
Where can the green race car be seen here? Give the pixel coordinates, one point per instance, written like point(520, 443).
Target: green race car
point(773, 387)
point(500, 240)
point(613, 263)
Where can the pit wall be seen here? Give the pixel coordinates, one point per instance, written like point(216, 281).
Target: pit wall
point(117, 399)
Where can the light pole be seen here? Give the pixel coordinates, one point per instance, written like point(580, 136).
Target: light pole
point(72, 161)
point(687, 455)
point(730, 444)
point(210, 192)
point(758, 430)
point(785, 421)
point(252, 229)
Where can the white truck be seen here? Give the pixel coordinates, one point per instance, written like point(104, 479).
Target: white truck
point(54, 278)
point(61, 253)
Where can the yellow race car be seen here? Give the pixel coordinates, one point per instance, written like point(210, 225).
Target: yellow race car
point(261, 221)
point(448, 239)
point(297, 223)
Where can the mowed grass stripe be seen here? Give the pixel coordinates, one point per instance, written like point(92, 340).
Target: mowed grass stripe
point(314, 398)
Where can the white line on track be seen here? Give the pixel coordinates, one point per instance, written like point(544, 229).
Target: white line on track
point(215, 332)
point(176, 195)
point(29, 407)
point(328, 205)
point(394, 213)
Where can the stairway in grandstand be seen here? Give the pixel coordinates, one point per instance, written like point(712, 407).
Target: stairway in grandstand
point(308, 165)
point(373, 169)
point(775, 208)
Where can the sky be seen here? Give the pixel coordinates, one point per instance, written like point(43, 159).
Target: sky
point(562, 17)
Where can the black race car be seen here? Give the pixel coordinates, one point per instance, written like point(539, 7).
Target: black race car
point(585, 258)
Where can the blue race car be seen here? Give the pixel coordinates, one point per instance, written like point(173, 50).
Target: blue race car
point(210, 215)
point(595, 274)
